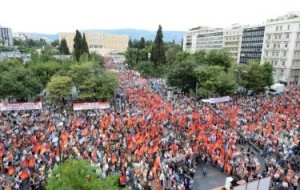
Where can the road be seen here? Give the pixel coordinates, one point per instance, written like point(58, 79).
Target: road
point(214, 179)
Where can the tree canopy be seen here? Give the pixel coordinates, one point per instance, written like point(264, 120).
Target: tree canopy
point(78, 175)
point(158, 51)
point(59, 87)
point(63, 48)
point(77, 45)
point(92, 81)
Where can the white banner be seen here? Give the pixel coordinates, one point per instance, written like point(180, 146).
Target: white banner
point(217, 100)
point(21, 106)
point(91, 106)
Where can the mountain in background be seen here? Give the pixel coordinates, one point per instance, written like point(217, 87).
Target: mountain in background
point(134, 34)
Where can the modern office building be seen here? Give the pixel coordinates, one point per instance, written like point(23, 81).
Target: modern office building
point(203, 38)
point(99, 42)
point(232, 38)
point(282, 48)
point(252, 43)
point(6, 35)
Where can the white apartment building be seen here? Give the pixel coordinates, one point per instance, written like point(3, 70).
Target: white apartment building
point(203, 38)
point(281, 47)
point(189, 40)
point(232, 38)
point(6, 35)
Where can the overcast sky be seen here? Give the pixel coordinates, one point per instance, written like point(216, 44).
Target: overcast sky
point(53, 16)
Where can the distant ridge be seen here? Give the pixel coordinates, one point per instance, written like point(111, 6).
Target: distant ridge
point(134, 34)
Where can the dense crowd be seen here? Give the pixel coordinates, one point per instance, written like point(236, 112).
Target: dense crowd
point(153, 142)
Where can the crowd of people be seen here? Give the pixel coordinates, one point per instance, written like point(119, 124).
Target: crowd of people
point(154, 142)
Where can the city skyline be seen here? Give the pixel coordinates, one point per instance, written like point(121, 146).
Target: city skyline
point(60, 16)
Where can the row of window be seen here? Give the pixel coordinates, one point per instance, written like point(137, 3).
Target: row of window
point(279, 28)
point(275, 53)
point(278, 36)
point(275, 63)
point(278, 45)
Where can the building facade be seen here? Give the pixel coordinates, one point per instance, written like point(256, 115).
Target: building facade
point(203, 38)
point(6, 35)
point(99, 42)
point(232, 39)
point(282, 48)
point(252, 44)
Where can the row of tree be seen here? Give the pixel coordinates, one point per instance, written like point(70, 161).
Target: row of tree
point(88, 76)
point(213, 72)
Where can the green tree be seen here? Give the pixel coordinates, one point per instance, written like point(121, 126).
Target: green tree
point(85, 47)
point(257, 76)
point(96, 58)
point(55, 43)
point(131, 56)
point(83, 76)
point(219, 57)
point(44, 71)
point(75, 175)
point(130, 45)
point(171, 53)
point(182, 74)
point(181, 56)
point(63, 48)
point(267, 68)
point(158, 50)
point(59, 87)
point(19, 83)
point(142, 43)
point(77, 45)
point(106, 85)
point(200, 57)
point(93, 81)
point(214, 81)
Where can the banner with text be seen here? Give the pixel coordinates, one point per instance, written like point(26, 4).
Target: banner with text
point(21, 106)
point(217, 100)
point(91, 106)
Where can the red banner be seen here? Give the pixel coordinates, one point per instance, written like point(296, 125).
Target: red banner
point(21, 106)
point(91, 106)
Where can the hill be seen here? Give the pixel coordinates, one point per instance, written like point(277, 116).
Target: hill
point(169, 36)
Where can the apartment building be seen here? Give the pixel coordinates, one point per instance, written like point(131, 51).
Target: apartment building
point(232, 38)
point(6, 35)
point(282, 48)
point(99, 42)
point(252, 43)
point(203, 38)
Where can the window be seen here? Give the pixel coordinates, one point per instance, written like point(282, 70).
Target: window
point(286, 45)
point(269, 37)
point(277, 28)
point(268, 45)
point(280, 28)
point(283, 63)
point(279, 36)
point(275, 37)
point(288, 27)
point(287, 36)
point(277, 53)
point(275, 62)
point(273, 53)
point(284, 54)
point(267, 53)
point(281, 70)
